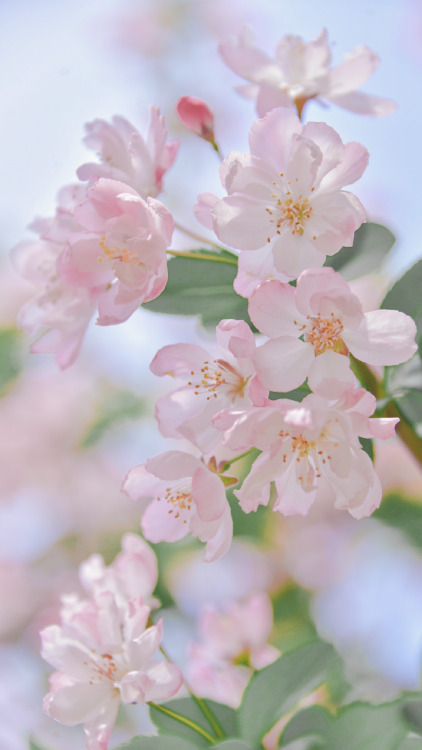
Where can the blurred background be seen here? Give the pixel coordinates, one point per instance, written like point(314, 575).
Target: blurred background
point(68, 438)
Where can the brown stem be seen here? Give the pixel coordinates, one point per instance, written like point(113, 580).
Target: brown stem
point(404, 429)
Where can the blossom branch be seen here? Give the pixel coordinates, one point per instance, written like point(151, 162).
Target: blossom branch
point(404, 429)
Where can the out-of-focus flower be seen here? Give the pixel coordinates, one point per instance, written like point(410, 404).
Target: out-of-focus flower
point(301, 71)
point(120, 250)
point(104, 648)
point(127, 157)
point(132, 574)
point(233, 644)
point(309, 449)
point(186, 497)
point(210, 384)
point(197, 116)
point(287, 193)
point(323, 311)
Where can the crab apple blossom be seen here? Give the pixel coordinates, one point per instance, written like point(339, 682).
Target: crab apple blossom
point(287, 192)
point(301, 71)
point(197, 116)
point(127, 157)
point(233, 644)
point(132, 574)
point(187, 496)
point(210, 383)
point(322, 315)
point(60, 313)
point(310, 449)
point(104, 655)
point(121, 249)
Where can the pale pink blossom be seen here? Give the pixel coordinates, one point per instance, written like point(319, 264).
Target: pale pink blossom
point(121, 249)
point(58, 313)
point(322, 315)
point(103, 656)
point(310, 450)
point(127, 157)
point(210, 383)
point(287, 193)
point(186, 496)
point(233, 644)
point(301, 71)
point(197, 116)
point(132, 574)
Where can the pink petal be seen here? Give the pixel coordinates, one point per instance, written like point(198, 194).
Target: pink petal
point(283, 364)
point(385, 337)
point(273, 310)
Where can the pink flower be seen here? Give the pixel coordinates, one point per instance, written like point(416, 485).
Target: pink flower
point(197, 116)
point(58, 312)
point(132, 574)
point(287, 192)
point(301, 71)
point(323, 312)
point(121, 249)
point(310, 449)
point(233, 644)
point(186, 497)
point(103, 656)
point(209, 384)
point(127, 157)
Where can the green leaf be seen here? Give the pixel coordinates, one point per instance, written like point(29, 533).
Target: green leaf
point(157, 743)
point(201, 287)
point(188, 708)
point(368, 446)
point(402, 514)
point(10, 356)
point(371, 245)
point(411, 743)
point(114, 408)
point(356, 727)
point(293, 626)
point(403, 384)
point(233, 745)
point(311, 724)
point(34, 745)
point(276, 689)
point(406, 296)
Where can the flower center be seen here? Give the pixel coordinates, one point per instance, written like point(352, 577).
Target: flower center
point(218, 374)
point(289, 211)
point(325, 334)
point(121, 254)
point(294, 213)
point(179, 498)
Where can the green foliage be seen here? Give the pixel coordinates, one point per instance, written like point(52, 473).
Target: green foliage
point(406, 296)
point(187, 707)
point(293, 626)
point(298, 394)
point(275, 690)
point(403, 385)
point(114, 408)
point(368, 446)
point(202, 287)
point(371, 245)
point(34, 745)
point(356, 727)
point(10, 357)
point(400, 513)
point(157, 743)
point(233, 745)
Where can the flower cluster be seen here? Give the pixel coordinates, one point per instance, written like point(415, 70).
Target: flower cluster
point(105, 249)
point(281, 402)
point(105, 646)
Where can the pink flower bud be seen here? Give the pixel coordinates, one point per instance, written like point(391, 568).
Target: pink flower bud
point(197, 116)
